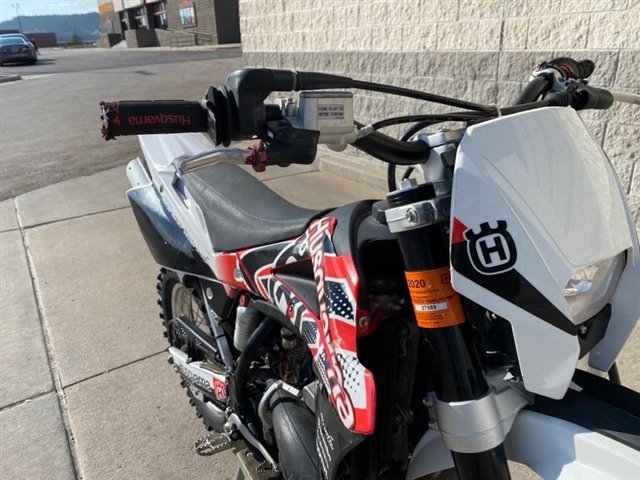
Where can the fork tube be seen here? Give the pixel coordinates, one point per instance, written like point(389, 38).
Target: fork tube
point(457, 370)
point(458, 375)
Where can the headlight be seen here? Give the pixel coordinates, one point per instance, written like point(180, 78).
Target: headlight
point(590, 288)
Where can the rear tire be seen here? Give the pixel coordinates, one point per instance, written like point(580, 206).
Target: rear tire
point(175, 299)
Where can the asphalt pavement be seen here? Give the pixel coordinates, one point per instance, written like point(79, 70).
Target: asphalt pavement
point(59, 60)
point(49, 120)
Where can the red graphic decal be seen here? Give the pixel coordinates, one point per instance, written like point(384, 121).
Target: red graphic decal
point(262, 273)
point(219, 389)
point(457, 234)
point(341, 401)
point(223, 266)
point(337, 286)
point(331, 335)
point(342, 267)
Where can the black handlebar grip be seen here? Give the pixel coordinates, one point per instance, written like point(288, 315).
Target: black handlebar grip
point(586, 97)
point(152, 116)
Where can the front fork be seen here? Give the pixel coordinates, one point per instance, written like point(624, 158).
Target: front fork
point(417, 216)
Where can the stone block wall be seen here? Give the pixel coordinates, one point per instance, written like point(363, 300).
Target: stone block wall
point(478, 50)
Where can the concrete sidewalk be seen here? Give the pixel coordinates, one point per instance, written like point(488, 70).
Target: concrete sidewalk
point(85, 390)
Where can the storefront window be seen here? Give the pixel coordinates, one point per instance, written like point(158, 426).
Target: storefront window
point(124, 21)
point(140, 17)
point(160, 14)
point(187, 14)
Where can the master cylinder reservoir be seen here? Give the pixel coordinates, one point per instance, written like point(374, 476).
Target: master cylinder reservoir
point(330, 113)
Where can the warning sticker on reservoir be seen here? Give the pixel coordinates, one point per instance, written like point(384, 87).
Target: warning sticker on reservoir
point(436, 304)
point(331, 111)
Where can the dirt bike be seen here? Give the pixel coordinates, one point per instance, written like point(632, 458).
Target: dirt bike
point(434, 333)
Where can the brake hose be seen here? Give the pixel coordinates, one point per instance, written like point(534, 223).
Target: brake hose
point(534, 89)
point(391, 167)
point(390, 150)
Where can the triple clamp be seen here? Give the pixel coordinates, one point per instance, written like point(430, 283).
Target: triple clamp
point(419, 214)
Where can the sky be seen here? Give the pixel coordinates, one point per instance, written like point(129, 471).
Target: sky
point(45, 7)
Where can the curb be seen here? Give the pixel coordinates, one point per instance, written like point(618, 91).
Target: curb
point(9, 78)
point(191, 48)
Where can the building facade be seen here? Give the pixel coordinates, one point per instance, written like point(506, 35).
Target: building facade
point(150, 23)
point(478, 50)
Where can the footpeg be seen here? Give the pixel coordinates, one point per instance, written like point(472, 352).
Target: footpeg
point(253, 469)
point(213, 443)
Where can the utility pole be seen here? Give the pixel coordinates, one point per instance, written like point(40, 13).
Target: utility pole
point(17, 7)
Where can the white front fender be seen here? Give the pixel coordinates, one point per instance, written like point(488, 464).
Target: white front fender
point(551, 447)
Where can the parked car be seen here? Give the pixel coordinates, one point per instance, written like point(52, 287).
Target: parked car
point(14, 48)
point(23, 37)
point(30, 41)
point(17, 35)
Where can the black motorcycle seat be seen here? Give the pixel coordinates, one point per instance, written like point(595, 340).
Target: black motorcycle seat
point(240, 211)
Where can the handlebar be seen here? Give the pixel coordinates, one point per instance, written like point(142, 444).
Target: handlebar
point(534, 89)
point(236, 111)
point(390, 150)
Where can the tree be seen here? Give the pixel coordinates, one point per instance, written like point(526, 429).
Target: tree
point(75, 41)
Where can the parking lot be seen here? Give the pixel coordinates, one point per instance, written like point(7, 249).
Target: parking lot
point(49, 121)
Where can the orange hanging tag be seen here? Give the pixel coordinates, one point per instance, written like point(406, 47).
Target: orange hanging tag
point(435, 303)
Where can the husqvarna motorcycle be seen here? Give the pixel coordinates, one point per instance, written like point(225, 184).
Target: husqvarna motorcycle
point(434, 333)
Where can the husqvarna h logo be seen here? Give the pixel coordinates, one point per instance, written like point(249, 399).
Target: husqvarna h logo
point(492, 250)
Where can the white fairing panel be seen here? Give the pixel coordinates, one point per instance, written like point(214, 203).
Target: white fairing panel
point(159, 152)
point(625, 307)
point(534, 200)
